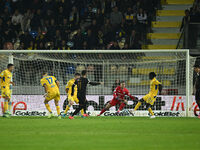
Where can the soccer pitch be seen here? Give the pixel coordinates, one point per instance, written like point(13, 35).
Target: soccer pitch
point(99, 133)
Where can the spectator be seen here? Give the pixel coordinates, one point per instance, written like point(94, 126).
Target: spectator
point(134, 40)
point(6, 14)
point(36, 21)
point(41, 46)
point(186, 19)
point(78, 40)
point(129, 15)
point(31, 46)
point(74, 17)
point(142, 20)
point(91, 39)
point(114, 46)
point(116, 17)
point(17, 20)
point(21, 46)
point(142, 16)
point(26, 20)
point(97, 22)
point(63, 45)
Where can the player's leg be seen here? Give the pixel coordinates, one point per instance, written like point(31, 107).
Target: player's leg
point(85, 106)
point(6, 102)
point(197, 98)
point(108, 106)
point(139, 104)
point(70, 103)
point(148, 106)
point(46, 102)
point(6, 95)
point(122, 105)
point(77, 101)
point(80, 107)
point(56, 101)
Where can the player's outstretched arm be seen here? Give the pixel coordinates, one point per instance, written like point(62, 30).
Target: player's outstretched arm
point(93, 83)
point(132, 97)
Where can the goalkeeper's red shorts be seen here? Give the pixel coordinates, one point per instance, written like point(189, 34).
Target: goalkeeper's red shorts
point(114, 102)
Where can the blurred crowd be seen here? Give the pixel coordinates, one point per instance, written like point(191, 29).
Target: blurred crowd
point(192, 14)
point(75, 24)
point(190, 25)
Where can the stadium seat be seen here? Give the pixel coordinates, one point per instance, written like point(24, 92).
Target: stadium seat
point(163, 35)
point(170, 13)
point(177, 2)
point(166, 24)
point(123, 70)
point(169, 71)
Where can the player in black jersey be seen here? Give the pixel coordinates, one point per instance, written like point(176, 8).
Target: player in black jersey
point(197, 85)
point(82, 87)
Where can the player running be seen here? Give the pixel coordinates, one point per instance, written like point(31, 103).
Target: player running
point(150, 98)
point(82, 87)
point(71, 90)
point(118, 98)
point(51, 87)
point(5, 82)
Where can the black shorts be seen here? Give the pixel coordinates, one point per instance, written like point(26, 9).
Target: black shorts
point(82, 99)
point(197, 96)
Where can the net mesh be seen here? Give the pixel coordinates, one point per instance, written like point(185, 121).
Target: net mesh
point(108, 68)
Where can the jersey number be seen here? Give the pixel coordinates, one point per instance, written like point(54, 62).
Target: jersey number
point(50, 80)
point(3, 79)
point(156, 87)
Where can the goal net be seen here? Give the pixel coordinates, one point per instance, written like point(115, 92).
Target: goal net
point(133, 67)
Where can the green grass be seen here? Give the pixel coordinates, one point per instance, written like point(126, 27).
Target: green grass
point(99, 133)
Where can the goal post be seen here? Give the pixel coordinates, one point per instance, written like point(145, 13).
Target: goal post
point(174, 68)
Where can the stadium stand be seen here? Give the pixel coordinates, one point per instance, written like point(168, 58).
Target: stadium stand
point(75, 24)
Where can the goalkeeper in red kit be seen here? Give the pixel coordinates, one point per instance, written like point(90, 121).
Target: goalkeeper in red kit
point(118, 98)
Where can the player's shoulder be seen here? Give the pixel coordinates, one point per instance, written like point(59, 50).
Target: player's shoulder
point(52, 77)
point(5, 71)
point(41, 80)
point(117, 88)
point(126, 90)
point(156, 81)
point(71, 81)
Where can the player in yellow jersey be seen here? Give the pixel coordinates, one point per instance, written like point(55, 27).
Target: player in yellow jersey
point(6, 82)
point(51, 87)
point(150, 98)
point(71, 90)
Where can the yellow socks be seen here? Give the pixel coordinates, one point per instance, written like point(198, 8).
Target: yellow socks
point(67, 108)
point(150, 111)
point(5, 106)
point(58, 110)
point(137, 106)
point(82, 111)
point(48, 107)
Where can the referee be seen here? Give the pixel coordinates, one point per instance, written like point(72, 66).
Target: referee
point(82, 87)
point(197, 85)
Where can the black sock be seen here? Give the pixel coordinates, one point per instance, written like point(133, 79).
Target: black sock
point(84, 108)
point(77, 110)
